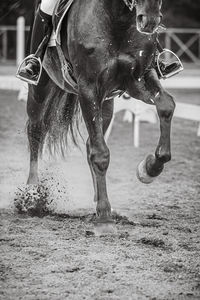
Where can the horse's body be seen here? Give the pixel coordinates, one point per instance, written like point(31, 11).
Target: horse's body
point(107, 53)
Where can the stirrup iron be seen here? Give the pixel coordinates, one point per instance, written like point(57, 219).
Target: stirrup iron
point(24, 63)
point(168, 57)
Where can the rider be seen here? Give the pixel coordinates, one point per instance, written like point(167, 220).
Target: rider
point(41, 33)
point(30, 69)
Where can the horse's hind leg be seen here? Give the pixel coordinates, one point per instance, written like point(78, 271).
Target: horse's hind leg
point(34, 134)
point(36, 97)
point(34, 131)
point(152, 166)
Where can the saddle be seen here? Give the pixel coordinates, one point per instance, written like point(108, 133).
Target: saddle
point(60, 12)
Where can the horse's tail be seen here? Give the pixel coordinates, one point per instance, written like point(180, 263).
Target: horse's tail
point(60, 121)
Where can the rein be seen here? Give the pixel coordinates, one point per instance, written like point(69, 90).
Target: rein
point(130, 4)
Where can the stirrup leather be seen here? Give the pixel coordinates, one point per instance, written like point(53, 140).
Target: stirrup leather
point(168, 58)
point(24, 63)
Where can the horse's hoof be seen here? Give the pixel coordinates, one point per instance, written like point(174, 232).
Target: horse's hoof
point(104, 228)
point(142, 174)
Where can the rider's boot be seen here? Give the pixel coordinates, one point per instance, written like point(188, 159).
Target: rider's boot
point(167, 69)
point(30, 68)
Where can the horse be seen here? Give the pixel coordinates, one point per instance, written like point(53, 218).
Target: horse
point(111, 45)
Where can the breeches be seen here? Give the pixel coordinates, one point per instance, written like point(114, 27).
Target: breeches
point(47, 6)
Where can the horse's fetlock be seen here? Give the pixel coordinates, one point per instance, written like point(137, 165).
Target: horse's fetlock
point(103, 208)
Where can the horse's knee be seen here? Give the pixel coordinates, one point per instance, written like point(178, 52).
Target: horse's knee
point(100, 159)
point(166, 107)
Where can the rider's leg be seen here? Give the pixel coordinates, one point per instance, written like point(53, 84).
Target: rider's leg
point(41, 33)
point(167, 69)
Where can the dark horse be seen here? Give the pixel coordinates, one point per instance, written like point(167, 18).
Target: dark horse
point(111, 47)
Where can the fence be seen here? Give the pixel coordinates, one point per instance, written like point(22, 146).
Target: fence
point(12, 39)
point(185, 42)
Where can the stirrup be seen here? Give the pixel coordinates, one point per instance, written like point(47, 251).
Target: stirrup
point(24, 63)
point(168, 57)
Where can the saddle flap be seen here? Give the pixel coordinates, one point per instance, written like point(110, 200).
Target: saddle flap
point(61, 9)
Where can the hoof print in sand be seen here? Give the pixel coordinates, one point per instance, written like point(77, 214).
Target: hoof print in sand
point(32, 199)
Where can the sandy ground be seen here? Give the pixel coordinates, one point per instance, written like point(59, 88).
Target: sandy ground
point(155, 254)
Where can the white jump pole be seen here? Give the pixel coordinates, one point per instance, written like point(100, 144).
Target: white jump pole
point(20, 40)
point(20, 53)
point(107, 134)
point(136, 131)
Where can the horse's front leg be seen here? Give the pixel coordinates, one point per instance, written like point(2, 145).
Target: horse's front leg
point(153, 165)
point(107, 114)
point(97, 150)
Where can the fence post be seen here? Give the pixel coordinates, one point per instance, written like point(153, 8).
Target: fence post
point(20, 40)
